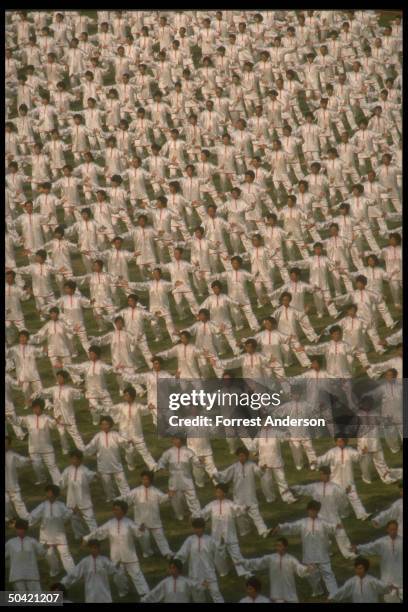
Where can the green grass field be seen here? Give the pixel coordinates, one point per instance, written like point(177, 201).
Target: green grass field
point(376, 496)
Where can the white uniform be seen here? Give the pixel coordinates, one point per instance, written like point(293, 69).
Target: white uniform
point(22, 553)
point(95, 572)
point(122, 534)
point(52, 517)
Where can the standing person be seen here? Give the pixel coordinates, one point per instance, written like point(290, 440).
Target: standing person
point(363, 587)
point(389, 549)
point(340, 459)
point(222, 512)
point(199, 551)
point(315, 545)
point(128, 415)
point(271, 462)
point(96, 389)
point(393, 512)
point(178, 460)
point(95, 570)
point(52, 516)
point(122, 532)
point(14, 500)
point(333, 502)
point(253, 588)
point(75, 480)
point(40, 446)
point(176, 588)
point(23, 356)
point(242, 474)
point(282, 569)
point(106, 446)
point(146, 500)
point(63, 397)
point(22, 552)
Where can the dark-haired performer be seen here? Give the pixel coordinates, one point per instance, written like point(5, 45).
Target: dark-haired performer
point(282, 569)
point(95, 570)
point(315, 545)
point(389, 550)
point(52, 516)
point(22, 552)
point(121, 532)
point(363, 587)
point(176, 588)
point(199, 551)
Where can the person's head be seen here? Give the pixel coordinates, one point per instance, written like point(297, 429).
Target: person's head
point(94, 353)
point(341, 442)
point(318, 249)
point(392, 529)
point(76, 457)
point(37, 406)
point(361, 566)
point(21, 527)
point(336, 333)
point(10, 277)
point(178, 441)
point(351, 310)
point(54, 313)
point(221, 490)
point(394, 239)
point(361, 282)
point(294, 274)
point(175, 567)
point(324, 473)
point(119, 323)
point(285, 299)
point(203, 315)
point(185, 337)
point(52, 492)
point(105, 423)
point(253, 587)
point(281, 546)
point(236, 262)
point(69, 287)
point(250, 346)
point(313, 508)
point(243, 454)
point(269, 323)
point(129, 394)
point(97, 266)
point(119, 509)
point(147, 478)
point(157, 363)
point(23, 337)
point(94, 547)
point(198, 525)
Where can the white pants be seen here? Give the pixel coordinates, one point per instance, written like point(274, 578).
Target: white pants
point(255, 515)
point(48, 459)
point(267, 479)
point(213, 588)
point(135, 574)
point(325, 572)
point(77, 522)
point(200, 470)
point(14, 502)
point(225, 550)
point(182, 497)
point(121, 482)
point(159, 537)
point(139, 446)
point(53, 561)
point(75, 435)
point(296, 445)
